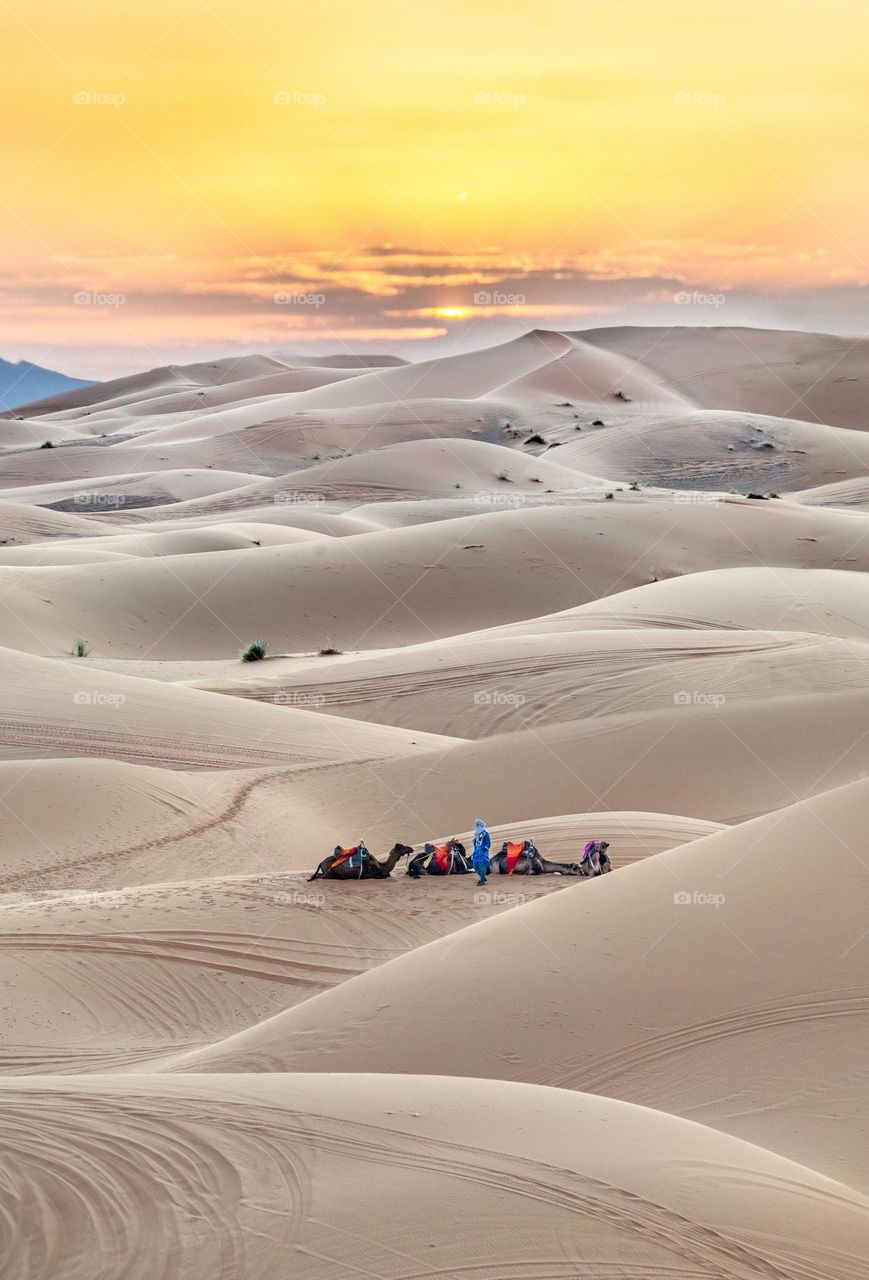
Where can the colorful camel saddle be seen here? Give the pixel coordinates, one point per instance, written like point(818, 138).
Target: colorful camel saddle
point(441, 854)
point(514, 850)
point(595, 846)
point(353, 857)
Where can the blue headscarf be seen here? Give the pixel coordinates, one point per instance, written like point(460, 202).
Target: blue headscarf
point(482, 839)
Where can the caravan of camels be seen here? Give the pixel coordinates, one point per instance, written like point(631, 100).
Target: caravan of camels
point(515, 857)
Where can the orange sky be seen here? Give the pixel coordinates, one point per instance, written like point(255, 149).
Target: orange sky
point(346, 171)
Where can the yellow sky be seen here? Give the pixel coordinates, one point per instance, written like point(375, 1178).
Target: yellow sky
point(163, 149)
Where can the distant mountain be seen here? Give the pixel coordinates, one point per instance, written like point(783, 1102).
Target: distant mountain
point(22, 382)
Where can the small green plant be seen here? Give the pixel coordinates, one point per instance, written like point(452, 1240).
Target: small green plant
point(47, 444)
point(457, 485)
point(329, 652)
point(255, 651)
point(609, 496)
point(503, 475)
point(81, 649)
point(634, 486)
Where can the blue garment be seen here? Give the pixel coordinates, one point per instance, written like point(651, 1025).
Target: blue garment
point(480, 859)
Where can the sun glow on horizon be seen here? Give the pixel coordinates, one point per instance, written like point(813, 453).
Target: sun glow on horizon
point(571, 157)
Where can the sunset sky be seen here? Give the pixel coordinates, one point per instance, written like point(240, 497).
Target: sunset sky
point(181, 179)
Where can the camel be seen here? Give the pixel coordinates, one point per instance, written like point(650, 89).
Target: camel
point(358, 864)
point(521, 858)
point(595, 860)
point(449, 859)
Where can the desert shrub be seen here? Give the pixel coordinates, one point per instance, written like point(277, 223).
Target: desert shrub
point(255, 651)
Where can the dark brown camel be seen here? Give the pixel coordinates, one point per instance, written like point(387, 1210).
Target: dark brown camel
point(523, 859)
point(358, 864)
point(449, 859)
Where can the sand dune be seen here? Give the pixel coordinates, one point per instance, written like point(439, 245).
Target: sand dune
point(105, 492)
point(814, 376)
point(588, 375)
point(721, 451)
point(259, 1174)
point(470, 374)
point(852, 493)
point(22, 522)
point(228, 536)
point(724, 763)
point(97, 824)
point(474, 688)
point(527, 583)
point(176, 966)
point(76, 714)
point(435, 580)
point(705, 1009)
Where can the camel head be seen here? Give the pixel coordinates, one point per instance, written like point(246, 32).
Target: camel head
point(403, 850)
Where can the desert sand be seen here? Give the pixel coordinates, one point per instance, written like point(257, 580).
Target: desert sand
point(600, 585)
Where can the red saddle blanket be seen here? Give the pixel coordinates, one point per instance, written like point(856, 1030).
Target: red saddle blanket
point(345, 854)
point(442, 855)
point(515, 848)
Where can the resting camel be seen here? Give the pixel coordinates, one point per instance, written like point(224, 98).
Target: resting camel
point(521, 858)
point(449, 859)
point(595, 860)
point(358, 864)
